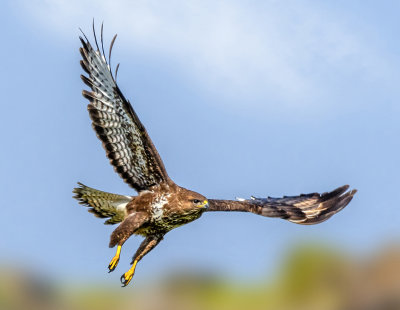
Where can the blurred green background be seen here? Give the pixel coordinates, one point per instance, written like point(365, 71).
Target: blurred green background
point(312, 276)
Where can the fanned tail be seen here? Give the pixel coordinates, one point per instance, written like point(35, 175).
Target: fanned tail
point(102, 204)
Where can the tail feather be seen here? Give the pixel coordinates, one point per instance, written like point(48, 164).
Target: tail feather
point(102, 204)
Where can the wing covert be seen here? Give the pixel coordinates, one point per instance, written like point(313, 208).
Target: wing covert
point(125, 140)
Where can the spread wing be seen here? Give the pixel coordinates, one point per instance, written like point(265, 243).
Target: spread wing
point(305, 209)
point(127, 144)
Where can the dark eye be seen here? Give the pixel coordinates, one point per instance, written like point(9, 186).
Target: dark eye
point(196, 201)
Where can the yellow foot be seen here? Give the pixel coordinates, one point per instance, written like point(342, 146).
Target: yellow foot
point(114, 262)
point(127, 276)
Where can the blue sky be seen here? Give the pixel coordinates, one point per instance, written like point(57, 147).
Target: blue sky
point(241, 98)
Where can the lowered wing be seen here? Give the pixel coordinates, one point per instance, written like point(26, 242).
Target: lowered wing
point(305, 209)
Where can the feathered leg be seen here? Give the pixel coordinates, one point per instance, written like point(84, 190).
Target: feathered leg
point(123, 232)
point(145, 247)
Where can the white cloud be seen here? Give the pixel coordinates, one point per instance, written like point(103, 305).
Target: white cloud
point(282, 48)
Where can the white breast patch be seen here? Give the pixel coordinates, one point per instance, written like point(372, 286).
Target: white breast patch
point(157, 207)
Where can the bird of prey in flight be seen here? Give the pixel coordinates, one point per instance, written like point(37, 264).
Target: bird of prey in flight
point(161, 205)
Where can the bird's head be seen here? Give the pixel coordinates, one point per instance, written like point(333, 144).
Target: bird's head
point(194, 201)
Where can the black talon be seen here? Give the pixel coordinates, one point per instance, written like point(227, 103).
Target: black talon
point(123, 281)
point(111, 268)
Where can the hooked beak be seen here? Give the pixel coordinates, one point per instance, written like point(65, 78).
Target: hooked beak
point(204, 204)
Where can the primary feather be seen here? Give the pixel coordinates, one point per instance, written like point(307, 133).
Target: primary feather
point(124, 138)
point(304, 209)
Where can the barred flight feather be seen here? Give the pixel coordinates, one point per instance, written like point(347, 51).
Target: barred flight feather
point(124, 138)
point(304, 209)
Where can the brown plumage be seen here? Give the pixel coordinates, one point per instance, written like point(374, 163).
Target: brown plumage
point(161, 205)
point(305, 209)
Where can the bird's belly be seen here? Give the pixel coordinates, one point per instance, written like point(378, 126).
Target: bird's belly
point(166, 223)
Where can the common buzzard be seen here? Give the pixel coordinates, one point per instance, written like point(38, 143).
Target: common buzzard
point(161, 205)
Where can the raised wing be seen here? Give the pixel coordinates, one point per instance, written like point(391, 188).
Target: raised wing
point(305, 209)
point(127, 144)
